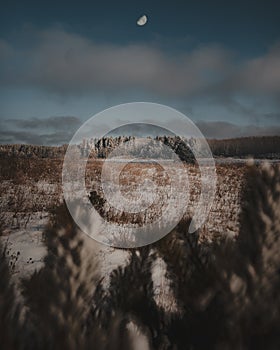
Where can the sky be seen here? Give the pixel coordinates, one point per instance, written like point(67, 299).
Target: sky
point(61, 62)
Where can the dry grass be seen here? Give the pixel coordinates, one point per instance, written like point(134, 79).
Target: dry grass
point(225, 291)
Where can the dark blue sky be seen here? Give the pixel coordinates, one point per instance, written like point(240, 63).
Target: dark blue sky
point(250, 26)
point(216, 61)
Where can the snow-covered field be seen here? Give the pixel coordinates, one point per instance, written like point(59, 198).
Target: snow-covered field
point(25, 207)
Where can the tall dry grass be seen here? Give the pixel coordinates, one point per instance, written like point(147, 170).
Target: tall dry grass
point(227, 291)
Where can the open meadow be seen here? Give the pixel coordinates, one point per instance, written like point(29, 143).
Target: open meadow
point(175, 292)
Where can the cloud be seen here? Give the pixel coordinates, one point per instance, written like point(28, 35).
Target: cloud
point(49, 131)
point(31, 132)
point(67, 63)
point(139, 130)
point(273, 116)
point(260, 75)
point(224, 130)
point(51, 139)
point(11, 136)
point(59, 122)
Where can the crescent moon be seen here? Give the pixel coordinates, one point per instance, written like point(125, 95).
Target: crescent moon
point(142, 20)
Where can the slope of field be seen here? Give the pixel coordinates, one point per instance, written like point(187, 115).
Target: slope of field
point(31, 189)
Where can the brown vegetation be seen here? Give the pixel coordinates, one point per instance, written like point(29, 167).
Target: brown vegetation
point(257, 147)
point(227, 291)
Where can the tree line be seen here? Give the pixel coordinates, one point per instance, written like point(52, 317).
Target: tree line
point(256, 147)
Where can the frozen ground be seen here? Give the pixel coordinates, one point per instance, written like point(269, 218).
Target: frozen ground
point(25, 246)
point(25, 206)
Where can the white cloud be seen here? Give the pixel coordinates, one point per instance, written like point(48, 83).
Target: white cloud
point(257, 76)
point(68, 63)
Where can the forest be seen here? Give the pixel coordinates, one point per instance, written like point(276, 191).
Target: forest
point(256, 147)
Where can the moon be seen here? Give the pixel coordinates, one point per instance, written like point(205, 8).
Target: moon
point(142, 20)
